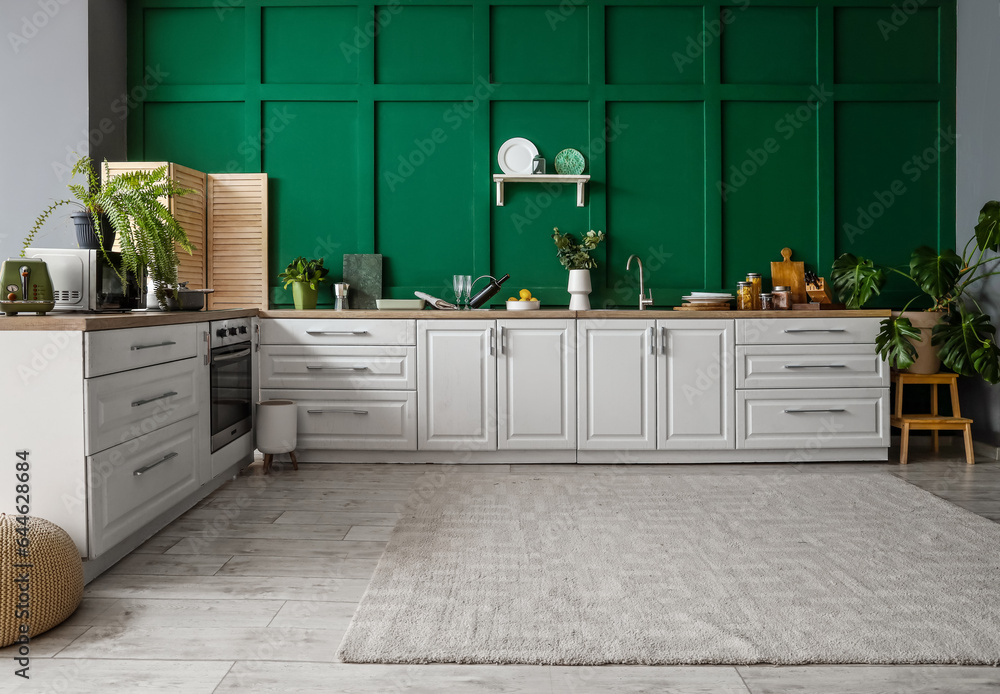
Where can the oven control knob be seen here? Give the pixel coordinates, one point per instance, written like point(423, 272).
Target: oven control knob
point(221, 332)
point(243, 330)
point(232, 331)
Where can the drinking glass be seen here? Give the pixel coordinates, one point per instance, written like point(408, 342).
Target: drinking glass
point(467, 289)
point(458, 284)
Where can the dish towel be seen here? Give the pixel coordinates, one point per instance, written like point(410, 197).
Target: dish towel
point(436, 303)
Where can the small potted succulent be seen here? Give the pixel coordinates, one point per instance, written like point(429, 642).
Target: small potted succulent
point(575, 257)
point(305, 276)
point(954, 330)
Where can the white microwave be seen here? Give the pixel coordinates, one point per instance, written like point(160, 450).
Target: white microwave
point(82, 280)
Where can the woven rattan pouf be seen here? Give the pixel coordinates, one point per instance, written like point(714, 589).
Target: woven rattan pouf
point(42, 582)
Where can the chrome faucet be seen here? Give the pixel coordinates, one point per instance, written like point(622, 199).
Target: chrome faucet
point(643, 301)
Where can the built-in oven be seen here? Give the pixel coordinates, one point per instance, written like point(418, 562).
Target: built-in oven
point(231, 373)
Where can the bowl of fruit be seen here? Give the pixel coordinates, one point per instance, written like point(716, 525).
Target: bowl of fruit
point(525, 303)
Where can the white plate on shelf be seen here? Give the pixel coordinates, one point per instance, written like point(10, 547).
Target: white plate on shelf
point(711, 295)
point(523, 305)
point(515, 156)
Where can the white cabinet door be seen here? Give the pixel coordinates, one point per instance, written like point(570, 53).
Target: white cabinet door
point(695, 385)
point(617, 382)
point(536, 384)
point(456, 385)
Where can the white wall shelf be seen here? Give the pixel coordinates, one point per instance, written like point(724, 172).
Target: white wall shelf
point(580, 182)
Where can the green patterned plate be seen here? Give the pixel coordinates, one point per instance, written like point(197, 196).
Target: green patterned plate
point(569, 162)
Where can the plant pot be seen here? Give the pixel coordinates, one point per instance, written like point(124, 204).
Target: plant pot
point(579, 290)
point(928, 359)
point(85, 235)
point(304, 296)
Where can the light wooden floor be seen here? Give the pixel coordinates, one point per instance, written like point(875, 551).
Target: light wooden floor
point(253, 590)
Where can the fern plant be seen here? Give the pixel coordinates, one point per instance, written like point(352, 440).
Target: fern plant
point(133, 201)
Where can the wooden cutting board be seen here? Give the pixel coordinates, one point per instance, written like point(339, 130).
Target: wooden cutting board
point(790, 273)
point(703, 307)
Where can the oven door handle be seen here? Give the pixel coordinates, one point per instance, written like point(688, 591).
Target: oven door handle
point(230, 357)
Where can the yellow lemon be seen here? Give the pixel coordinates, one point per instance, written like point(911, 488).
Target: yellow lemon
point(525, 295)
point(511, 299)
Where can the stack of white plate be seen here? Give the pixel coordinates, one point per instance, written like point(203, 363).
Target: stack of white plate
point(708, 298)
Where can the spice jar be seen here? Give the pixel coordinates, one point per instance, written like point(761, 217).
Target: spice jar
point(766, 301)
point(756, 279)
point(744, 296)
point(782, 298)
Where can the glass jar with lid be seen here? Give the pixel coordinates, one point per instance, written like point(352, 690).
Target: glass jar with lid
point(782, 298)
point(757, 280)
point(766, 301)
point(744, 296)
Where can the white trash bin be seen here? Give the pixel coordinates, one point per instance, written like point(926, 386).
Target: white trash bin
point(277, 430)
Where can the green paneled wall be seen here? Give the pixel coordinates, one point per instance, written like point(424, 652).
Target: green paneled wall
point(715, 132)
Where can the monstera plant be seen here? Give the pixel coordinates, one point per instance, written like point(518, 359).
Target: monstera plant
point(965, 334)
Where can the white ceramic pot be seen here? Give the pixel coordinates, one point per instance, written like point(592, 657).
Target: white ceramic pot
point(277, 427)
point(928, 358)
point(579, 289)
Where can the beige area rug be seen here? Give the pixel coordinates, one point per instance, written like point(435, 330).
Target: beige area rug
point(682, 569)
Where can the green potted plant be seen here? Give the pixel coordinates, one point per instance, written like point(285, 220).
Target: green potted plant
point(132, 203)
point(575, 257)
point(955, 323)
point(305, 277)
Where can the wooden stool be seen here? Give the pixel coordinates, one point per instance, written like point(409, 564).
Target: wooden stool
point(930, 422)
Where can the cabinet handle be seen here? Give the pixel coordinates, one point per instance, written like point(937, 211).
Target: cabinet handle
point(829, 411)
point(337, 332)
point(161, 344)
point(334, 410)
point(147, 468)
point(256, 335)
point(492, 344)
point(815, 366)
point(815, 330)
point(503, 340)
point(337, 368)
point(235, 355)
point(208, 347)
point(652, 340)
point(140, 403)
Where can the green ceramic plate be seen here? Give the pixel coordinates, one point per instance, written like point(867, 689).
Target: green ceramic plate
point(569, 162)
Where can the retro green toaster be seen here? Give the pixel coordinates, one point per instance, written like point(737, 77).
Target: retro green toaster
point(26, 286)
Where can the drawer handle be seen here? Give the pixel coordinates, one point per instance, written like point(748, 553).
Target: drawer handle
point(162, 344)
point(815, 330)
point(231, 357)
point(337, 332)
point(829, 411)
point(147, 468)
point(337, 411)
point(815, 366)
point(140, 403)
point(337, 368)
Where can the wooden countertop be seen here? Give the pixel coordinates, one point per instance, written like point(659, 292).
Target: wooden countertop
point(86, 322)
point(434, 314)
point(138, 319)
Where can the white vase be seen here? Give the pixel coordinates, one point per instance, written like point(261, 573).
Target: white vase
point(579, 290)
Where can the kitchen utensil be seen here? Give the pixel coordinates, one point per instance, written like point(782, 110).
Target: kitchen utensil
point(516, 156)
point(523, 305)
point(436, 302)
point(538, 165)
point(400, 304)
point(569, 162)
point(790, 273)
point(26, 286)
point(340, 301)
point(819, 291)
point(487, 292)
point(186, 299)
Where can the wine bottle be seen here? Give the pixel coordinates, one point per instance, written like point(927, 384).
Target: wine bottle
point(487, 292)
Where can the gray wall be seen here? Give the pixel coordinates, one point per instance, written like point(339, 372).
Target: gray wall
point(979, 172)
point(43, 116)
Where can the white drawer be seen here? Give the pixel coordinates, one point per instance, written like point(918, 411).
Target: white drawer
point(338, 368)
point(812, 418)
point(125, 405)
point(353, 420)
point(819, 366)
point(806, 331)
point(337, 331)
point(111, 351)
point(131, 484)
